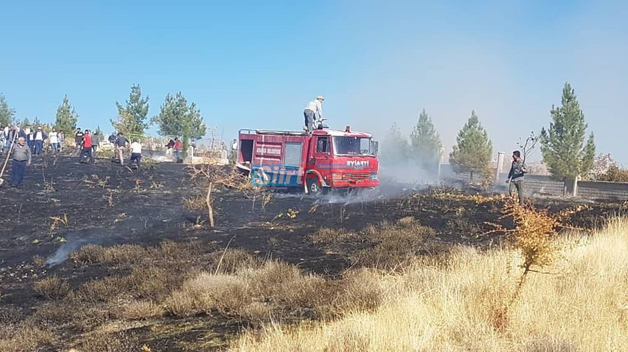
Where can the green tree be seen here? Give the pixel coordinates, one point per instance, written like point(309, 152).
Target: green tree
point(426, 143)
point(25, 122)
point(6, 113)
point(394, 149)
point(473, 149)
point(36, 122)
point(178, 118)
point(66, 117)
point(132, 116)
point(563, 144)
point(99, 131)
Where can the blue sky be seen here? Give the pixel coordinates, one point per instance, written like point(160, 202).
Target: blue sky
point(255, 64)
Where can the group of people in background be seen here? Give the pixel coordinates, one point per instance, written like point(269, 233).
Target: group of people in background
point(24, 143)
point(34, 138)
point(175, 147)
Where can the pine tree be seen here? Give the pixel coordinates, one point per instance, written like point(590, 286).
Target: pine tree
point(426, 143)
point(6, 113)
point(473, 149)
point(36, 122)
point(563, 144)
point(177, 118)
point(66, 117)
point(132, 116)
point(394, 147)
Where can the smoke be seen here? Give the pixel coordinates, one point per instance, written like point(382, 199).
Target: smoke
point(74, 243)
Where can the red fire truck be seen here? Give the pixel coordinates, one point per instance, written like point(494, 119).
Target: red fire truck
point(317, 161)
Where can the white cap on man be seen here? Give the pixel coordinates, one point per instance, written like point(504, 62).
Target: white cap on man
point(320, 97)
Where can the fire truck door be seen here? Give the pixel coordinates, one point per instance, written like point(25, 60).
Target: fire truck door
point(321, 157)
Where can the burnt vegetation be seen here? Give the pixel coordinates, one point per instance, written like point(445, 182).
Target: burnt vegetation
point(187, 265)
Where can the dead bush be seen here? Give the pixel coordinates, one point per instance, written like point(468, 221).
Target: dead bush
point(24, 337)
point(284, 285)
point(550, 344)
point(107, 289)
point(155, 283)
point(124, 254)
point(360, 291)
point(170, 250)
point(180, 304)
point(329, 236)
point(232, 260)
point(52, 288)
point(137, 310)
point(10, 315)
point(393, 244)
point(109, 342)
point(207, 292)
point(72, 313)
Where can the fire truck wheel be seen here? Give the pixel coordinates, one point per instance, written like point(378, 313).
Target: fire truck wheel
point(312, 186)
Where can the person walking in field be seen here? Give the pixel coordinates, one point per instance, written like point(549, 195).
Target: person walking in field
point(136, 153)
point(78, 139)
point(53, 139)
point(87, 148)
point(61, 140)
point(95, 143)
point(21, 159)
point(120, 145)
point(312, 112)
point(515, 176)
point(178, 148)
point(39, 138)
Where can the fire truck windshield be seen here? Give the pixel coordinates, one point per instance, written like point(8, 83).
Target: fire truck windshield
point(353, 146)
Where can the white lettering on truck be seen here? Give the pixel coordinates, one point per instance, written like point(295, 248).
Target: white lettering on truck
point(264, 150)
point(358, 163)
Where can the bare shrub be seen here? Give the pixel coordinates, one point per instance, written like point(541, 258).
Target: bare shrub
point(106, 289)
point(233, 260)
point(72, 313)
point(155, 283)
point(24, 337)
point(125, 254)
point(533, 235)
point(108, 342)
point(136, 310)
point(361, 290)
point(284, 285)
point(330, 236)
point(393, 244)
point(52, 288)
point(549, 344)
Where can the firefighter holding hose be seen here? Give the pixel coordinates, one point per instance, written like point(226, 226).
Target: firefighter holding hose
point(313, 111)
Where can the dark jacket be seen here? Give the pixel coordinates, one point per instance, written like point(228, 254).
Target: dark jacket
point(78, 138)
point(517, 170)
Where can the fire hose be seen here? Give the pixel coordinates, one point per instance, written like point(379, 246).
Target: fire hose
point(6, 161)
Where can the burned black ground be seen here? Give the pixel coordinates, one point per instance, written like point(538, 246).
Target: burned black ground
point(65, 205)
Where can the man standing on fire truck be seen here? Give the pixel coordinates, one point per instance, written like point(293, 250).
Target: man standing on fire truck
point(313, 108)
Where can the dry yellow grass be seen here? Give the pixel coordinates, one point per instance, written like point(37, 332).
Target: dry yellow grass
point(578, 303)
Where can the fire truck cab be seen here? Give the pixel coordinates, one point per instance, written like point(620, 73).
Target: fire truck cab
point(317, 162)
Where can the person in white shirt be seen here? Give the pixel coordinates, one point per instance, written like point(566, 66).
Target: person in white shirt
point(53, 139)
point(313, 110)
point(136, 153)
point(38, 139)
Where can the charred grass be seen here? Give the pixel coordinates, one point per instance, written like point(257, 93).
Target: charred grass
point(187, 291)
point(170, 283)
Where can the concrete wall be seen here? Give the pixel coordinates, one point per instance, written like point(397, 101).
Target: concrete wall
point(541, 185)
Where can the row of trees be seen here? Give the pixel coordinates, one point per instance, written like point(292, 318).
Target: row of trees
point(177, 117)
point(567, 152)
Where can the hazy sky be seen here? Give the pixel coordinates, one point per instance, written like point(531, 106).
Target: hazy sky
point(255, 64)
